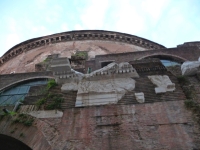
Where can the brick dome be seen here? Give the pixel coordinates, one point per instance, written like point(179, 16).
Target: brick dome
point(23, 56)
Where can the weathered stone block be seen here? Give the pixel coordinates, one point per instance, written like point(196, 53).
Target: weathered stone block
point(163, 83)
point(46, 114)
point(103, 92)
point(190, 67)
point(140, 97)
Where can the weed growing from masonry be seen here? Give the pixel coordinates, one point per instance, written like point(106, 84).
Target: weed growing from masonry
point(50, 100)
point(189, 91)
point(23, 119)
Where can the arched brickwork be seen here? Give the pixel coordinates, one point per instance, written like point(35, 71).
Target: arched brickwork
point(165, 56)
point(8, 143)
point(23, 80)
point(30, 136)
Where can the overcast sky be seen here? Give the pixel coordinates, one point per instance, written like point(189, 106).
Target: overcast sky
point(167, 22)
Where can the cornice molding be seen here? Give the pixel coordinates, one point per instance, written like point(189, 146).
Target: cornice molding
point(78, 36)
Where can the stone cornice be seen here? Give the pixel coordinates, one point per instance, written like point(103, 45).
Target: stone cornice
point(77, 36)
point(186, 44)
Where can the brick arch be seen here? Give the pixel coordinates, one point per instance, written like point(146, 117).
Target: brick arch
point(31, 137)
point(24, 80)
point(8, 142)
point(165, 56)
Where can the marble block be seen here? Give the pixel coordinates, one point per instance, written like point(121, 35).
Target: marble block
point(190, 67)
point(163, 83)
point(140, 97)
point(101, 92)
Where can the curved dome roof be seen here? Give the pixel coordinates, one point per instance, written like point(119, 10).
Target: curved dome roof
point(25, 55)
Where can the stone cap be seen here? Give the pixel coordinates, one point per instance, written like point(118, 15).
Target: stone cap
point(60, 66)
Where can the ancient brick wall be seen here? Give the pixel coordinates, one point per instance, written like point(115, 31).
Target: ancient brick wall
point(162, 122)
point(90, 64)
point(31, 136)
point(160, 125)
point(180, 54)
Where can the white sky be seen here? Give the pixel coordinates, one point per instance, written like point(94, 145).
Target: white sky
point(167, 22)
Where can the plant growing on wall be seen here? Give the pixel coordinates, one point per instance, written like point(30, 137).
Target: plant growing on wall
point(56, 100)
point(24, 119)
point(50, 100)
point(14, 117)
point(80, 55)
point(51, 83)
point(189, 91)
point(40, 102)
point(183, 80)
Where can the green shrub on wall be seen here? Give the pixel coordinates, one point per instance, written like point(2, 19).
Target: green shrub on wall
point(56, 101)
point(80, 55)
point(24, 119)
point(50, 100)
point(40, 102)
point(183, 80)
point(51, 83)
point(191, 103)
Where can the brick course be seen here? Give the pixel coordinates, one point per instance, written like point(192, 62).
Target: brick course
point(161, 125)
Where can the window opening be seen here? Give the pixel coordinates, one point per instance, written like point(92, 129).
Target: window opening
point(103, 64)
point(168, 63)
point(18, 92)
